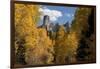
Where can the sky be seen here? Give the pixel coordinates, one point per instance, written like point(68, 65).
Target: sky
point(57, 14)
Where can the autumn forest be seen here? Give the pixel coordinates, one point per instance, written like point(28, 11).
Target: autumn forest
point(48, 43)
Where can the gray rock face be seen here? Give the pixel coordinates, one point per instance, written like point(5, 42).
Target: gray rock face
point(67, 28)
point(52, 27)
point(46, 21)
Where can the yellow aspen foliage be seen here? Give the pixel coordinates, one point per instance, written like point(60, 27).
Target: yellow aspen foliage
point(80, 23)
point(60, 46)
point(25, 29)
point(83, 24)
point(44, 39)
point(61, 32)
point(65, 46)
point(24, 19)
point(38, 48)
point(72, 41)
point(41, 52)
point(46, 43)
point(72, 45)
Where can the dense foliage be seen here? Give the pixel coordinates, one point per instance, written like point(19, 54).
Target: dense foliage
point(34, 46)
